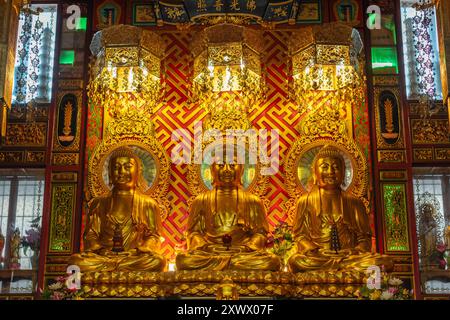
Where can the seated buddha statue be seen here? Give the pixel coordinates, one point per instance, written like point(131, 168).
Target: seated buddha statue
point(331, 226)
point(227, 227)
point(122, 230)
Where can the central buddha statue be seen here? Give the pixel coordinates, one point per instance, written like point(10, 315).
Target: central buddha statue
point(227, 227)
point(332, 227)
point(122, 231)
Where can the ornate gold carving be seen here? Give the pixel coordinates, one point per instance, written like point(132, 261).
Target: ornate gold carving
point(389, 110)
point(390, 81)
point(35, 156)
point(23, 112)
point(26, 135)
point(63, 208)
point(65, 159)
point(209, 284)
point(423, 154)
point(231, 117)
point(75, 145)
point(332, 33)
point(393, 175)
point(381, 143)
point(391, 156)
point(11, 156)
point(442, 153)
point(64, 177)
point(58, 269)
point(70, 84)
point(416, 109)
point(430, 131)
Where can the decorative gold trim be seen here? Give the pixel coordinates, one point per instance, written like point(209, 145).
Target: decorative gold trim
point(26, 134)
point(430, 131)
point(65, 159)
point(11, 156)
point(393, 175)
point(416, 109)
point(35, 156)
point(391, 156)
point(423, 154)
point(75, 146)
point(71, 84)
point(63, 208)
point(390, 81)
point(381, 143)
point(442, 154)
point(64, 177)
point(319, 284)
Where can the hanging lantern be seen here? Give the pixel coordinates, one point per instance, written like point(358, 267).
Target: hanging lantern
point(126, 73)
point(227, 67)
point(326, 62)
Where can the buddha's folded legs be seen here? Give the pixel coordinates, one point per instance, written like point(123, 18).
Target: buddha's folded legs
point(142, 262)
point(89, 262)
point(362, 261)
point(255, 261)
point(200, 260)
point(302, 263)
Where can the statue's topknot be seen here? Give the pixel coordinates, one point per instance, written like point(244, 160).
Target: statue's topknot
point(329, 151)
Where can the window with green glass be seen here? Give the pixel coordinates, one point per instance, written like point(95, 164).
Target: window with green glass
point(67, 57)
point(384, 60)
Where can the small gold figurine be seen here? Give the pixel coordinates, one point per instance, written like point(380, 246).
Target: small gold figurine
point(14, 249)
point(331, 226)
point(227, 227)
point(122, 231)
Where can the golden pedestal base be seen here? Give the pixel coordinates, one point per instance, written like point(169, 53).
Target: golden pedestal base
point(223, 285)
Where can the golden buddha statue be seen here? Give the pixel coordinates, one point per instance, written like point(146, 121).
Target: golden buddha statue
point(332, 227)
point(227, 227)
point(122, 231)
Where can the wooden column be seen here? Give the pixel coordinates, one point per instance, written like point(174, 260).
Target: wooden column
point(9, 19)
point(443, 22)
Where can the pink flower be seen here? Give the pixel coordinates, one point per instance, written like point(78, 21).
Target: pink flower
point(442, 263)
point(270, 242)
point(57, 296)
point(441, 247)
point(393, 290)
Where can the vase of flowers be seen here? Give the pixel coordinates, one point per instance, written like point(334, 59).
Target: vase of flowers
point(59, 290)
point(281, 242)
point(390, 288)
point(439, 256)
point(32, 241)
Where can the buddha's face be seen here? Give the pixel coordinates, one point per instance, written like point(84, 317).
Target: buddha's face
point(329, 172)
point(226, 174)
point(124, 172)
